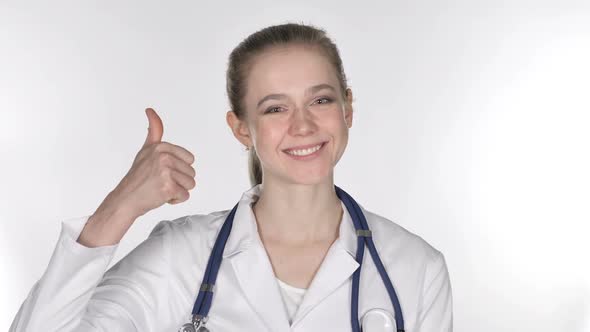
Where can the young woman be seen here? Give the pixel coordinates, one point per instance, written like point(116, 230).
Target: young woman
point(288, 257)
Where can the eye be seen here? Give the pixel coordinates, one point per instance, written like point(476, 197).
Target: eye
point(273, 109)
point(323, 100)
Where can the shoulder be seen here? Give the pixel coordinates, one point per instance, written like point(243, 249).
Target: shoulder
point(188, 236)
point(417, 263)
point(190, 227)
point(396, 241)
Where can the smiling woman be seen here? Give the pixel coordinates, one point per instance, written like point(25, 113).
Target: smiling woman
point(288, 106)
point(289, 256)
point(279, 47)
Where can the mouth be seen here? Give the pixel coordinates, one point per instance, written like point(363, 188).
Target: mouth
point(305, 152)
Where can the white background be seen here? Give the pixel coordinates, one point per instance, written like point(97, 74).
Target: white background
point(471, 130)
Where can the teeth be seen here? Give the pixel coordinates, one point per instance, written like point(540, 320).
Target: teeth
point(305, 152)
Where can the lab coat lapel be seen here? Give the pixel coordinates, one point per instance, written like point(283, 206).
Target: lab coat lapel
point(257, 281)
point(252, 267)
point(337, 267)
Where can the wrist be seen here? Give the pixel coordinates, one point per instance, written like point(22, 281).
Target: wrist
point(106, 226)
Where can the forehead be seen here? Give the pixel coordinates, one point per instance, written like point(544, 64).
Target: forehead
point(288, 69)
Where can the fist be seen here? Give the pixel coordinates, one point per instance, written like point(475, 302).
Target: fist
point(161, 173)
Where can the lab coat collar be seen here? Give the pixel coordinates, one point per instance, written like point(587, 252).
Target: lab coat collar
point(255, 274)
point(245, 231)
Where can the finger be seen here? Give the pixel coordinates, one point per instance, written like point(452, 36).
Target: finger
point(183, 180)
point(180, 195)
point(178, 164)
point(155, 127)
point(184, 168)
point(177, 151)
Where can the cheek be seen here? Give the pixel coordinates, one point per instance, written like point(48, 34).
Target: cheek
point(268, 134)
point(336, 123)
point(339, 130)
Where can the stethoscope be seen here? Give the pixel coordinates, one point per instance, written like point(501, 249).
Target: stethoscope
point(204, 299)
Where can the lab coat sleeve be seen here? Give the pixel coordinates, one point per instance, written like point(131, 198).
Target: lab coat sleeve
point(75, 293)
point(436, 314)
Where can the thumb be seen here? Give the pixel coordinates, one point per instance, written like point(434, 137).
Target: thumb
point(156, 128)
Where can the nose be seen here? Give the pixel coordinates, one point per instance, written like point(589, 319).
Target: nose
point(303, 122)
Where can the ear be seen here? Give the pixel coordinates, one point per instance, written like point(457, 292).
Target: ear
point(239, 128)
point(348, 108)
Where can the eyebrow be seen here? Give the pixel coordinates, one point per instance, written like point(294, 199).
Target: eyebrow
point(310, 90)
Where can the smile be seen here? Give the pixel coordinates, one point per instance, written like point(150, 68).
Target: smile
point(305, 152)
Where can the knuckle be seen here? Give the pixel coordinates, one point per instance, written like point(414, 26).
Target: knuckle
point(166, 173)
point(162, 147)
point(159, 147)
point(164, 158)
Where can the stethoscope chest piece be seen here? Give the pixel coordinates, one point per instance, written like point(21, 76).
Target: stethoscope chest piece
point(190, 327)
point(195, 325)
point(378, 320)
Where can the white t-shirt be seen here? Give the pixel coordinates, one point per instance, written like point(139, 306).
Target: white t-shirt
point(292, 297)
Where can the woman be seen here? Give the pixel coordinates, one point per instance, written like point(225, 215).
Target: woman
point(290, 259)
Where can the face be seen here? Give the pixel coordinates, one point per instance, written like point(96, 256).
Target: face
point(294, 106)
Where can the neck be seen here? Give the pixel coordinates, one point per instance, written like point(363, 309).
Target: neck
point(298, 214)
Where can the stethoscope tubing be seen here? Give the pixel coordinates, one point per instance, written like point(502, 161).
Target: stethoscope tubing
point(205, 297)
point(360, 223)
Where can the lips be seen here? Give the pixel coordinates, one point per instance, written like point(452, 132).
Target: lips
point(303, 147)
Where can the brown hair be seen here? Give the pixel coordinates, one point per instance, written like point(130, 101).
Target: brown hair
point(256, 43)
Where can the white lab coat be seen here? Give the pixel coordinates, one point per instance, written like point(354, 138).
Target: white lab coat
point(154, 287)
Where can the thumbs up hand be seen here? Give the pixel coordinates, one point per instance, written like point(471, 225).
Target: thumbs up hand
point(161, 172)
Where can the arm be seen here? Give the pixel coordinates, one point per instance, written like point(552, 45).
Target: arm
point(436, 312)
point(75, 293)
